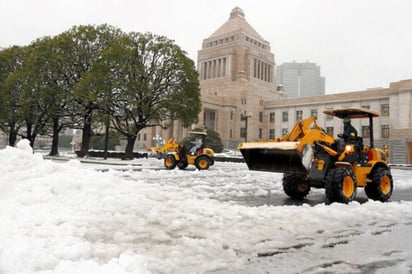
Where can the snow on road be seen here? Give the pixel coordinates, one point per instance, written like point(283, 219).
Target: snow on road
point(70, 218)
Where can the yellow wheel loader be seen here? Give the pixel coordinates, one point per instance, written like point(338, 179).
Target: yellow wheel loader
point(193, 154)
point(171, 145)
point(308, 157)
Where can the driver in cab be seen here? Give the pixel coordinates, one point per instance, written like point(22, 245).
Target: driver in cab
point(348, 130)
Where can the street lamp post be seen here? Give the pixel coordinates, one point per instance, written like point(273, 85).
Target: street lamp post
point(244, 117)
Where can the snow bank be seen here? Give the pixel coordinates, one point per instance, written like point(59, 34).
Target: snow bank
point(66, 218)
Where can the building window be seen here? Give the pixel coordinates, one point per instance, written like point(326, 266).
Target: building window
point(213, 68)
point(272, 117)
point(285, 116)
point(224, 67)
point(144, 137)
point(329, 117)
point(242, 132)
point(366, 132)
point(262, 70)
point(329, 131)
point(366, 106)
point(231, 133)
point(260, 116)
point(271, 133)
point(385, 110)
point(243, 101)
point(298, 115)
point(138, 137)
point(204, 71)
point(314, 113)
point(284, 131)
point(231, 115)
point(385, 131)
point(212, 116)
point(209, 118)
point(260, 133)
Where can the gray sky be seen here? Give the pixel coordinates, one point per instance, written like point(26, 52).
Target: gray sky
point(358, 44)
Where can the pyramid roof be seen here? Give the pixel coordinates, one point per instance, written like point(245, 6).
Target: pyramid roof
point(236, 22)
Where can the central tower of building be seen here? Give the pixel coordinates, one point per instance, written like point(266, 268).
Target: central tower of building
point(237, 76)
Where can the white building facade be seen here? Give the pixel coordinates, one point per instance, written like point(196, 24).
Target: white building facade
point(393, 127)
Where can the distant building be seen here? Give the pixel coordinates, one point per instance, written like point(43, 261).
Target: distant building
point(300, 79)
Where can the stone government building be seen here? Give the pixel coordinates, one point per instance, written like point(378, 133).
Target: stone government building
point(237, 79)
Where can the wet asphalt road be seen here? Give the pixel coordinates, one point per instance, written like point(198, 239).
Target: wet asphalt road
point(317, 196)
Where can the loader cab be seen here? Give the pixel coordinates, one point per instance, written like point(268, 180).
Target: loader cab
point(359, 154)
point(196, 146)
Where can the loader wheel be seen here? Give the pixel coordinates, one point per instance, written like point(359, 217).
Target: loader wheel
point(341, 185)
point(202, 162)
point(381, 187)
point(295, 186)
point(170, 162)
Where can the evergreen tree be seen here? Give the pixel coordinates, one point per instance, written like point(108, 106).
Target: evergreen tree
point(11, 61)
point(82, 46)
point(148, 79)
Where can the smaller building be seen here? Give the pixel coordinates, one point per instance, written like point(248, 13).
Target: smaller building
point(393, 127)
point(300, 79)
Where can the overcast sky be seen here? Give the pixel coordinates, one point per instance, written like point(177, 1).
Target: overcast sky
point(358, 44)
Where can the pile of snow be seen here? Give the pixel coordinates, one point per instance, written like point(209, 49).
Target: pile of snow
point(70, 218)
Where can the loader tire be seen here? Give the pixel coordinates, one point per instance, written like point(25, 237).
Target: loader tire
point(202, 162)
point(381, 187)
point(170, 162)
point(340, 185)
point(295, 186)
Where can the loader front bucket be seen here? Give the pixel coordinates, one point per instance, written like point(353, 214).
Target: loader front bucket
point(282, 157)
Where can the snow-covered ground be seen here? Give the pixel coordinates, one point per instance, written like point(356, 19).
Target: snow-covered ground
point(68, 217)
